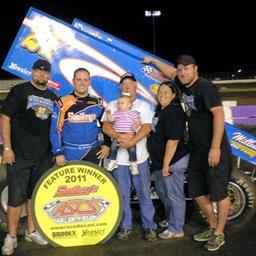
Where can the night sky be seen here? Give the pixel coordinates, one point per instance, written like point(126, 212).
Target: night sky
point(221, 38)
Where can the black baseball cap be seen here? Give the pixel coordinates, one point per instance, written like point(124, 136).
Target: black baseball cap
point(185, 60)
point(42, 65)
point(126, 76)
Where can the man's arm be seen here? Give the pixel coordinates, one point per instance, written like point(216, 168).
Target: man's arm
point(109, 117)
point(126, 140)
point(129, 142)
point(8, 154)
point(107, 128)
point(166, 69)
point(218, 130)
point(55, 134)
point(105, 147)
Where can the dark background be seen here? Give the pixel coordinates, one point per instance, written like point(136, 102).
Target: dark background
point(220, 35)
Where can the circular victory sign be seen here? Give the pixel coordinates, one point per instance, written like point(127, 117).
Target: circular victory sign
point(77, 204)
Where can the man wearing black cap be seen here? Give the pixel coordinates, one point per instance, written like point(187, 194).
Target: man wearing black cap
point(26, 116)
point(210, 162)
point(122, 173)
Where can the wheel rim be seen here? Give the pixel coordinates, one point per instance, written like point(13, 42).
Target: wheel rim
point(237, 199)
point(4, 200)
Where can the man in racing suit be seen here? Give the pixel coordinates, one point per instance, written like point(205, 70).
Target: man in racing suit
point(74, 126)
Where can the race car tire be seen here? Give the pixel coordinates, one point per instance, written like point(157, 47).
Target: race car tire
point(242, 193)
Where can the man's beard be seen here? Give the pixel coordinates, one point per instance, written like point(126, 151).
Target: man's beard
point(41, 82)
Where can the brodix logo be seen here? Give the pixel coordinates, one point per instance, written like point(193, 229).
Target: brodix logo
point(78, 204)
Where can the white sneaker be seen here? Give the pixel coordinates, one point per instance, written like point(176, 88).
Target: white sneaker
point(9, 245)
point(170, 235)
point(134, 168)
point(111, 165)
point(35, 237)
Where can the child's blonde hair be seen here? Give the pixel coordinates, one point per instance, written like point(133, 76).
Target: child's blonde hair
point(125, 97)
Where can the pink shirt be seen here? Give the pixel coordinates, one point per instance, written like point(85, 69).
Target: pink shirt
point(124, 121)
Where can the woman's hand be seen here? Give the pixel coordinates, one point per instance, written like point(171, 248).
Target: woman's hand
point(166, 171)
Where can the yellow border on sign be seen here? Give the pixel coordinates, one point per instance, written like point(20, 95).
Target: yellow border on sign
point(77, 204)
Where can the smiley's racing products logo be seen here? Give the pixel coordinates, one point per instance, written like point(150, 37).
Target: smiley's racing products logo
point(76, 210)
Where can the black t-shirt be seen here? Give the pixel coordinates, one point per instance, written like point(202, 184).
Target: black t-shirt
point(168, 124)
point(199, 98)
point(29, 109)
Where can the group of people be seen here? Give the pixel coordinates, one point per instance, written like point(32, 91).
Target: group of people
point(38, 127)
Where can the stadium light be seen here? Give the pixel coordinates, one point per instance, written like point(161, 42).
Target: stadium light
point(153, 14)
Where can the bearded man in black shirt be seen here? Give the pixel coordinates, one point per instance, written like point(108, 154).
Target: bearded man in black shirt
point(26, 114)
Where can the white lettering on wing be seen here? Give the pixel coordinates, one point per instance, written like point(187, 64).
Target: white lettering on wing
point(14, 66)
point(244, 140)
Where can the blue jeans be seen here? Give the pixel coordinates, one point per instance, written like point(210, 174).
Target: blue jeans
point(141, 184)
point(114, 148)
point(170, 190)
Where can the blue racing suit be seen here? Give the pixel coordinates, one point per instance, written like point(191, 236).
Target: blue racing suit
point(75, 126)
